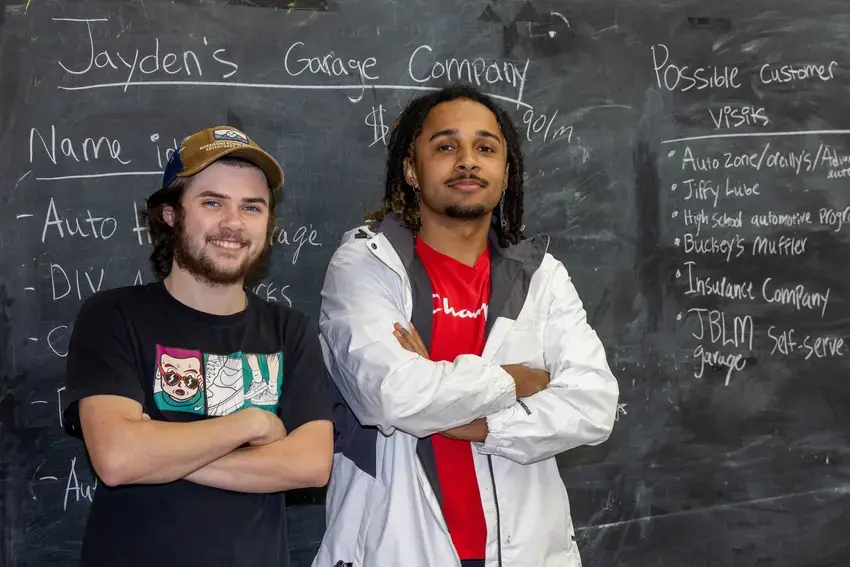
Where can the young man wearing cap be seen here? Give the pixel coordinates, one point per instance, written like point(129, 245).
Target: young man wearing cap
point(200, 403)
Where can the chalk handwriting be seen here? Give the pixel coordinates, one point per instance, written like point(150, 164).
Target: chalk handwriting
point(682, 78)
point(695, 219)
point(782, 246)
point(732, 362)
point(699, 163)
point(788, 342)
point(789, 73)
point(838, 173)
point(57, 340)
point(184, 63)
point(98, 227)
point(329, 65)
point(59, 404)
point(90, 149)
point(831, 158)
point(714, 322)
point(75, 490)
point(790, 160)
point(621, 410)
point(782, 219)
point(797, 296)
point(477, 71)
point(707, 190)
point(717, 220)
point(63, 286)
point(375, 119)
point(140, 227)
point(160, 158)
point(753, 160)
point(732, 117)
point(798, 161)
point(533, 125)
point(838, 163)
point(833, 218)
point(297, 239)
point(761, 245)
point(723, 287)
point(702, 190)
point(714, 245)
point(272, 292)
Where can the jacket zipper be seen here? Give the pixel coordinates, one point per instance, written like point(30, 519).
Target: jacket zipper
point(498, 515)
point(443, 522)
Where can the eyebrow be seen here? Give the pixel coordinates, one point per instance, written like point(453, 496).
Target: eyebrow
point(226, 198)
point(454, 132)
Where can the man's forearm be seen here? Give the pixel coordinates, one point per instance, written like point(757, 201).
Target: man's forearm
point(155, 452)
point(475, 431)
point(302, 459)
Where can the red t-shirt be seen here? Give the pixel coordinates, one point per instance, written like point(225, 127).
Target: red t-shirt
point(461, 295)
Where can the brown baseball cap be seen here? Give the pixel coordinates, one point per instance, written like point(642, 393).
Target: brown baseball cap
point(204, 148)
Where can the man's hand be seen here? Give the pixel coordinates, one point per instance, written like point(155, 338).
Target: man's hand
point(410, 340)
point(269, 427)
point(528, 381)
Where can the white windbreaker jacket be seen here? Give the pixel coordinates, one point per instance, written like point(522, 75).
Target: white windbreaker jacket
point(384, 499)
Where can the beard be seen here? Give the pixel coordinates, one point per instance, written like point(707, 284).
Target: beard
point(466, 212)
point(203, 268)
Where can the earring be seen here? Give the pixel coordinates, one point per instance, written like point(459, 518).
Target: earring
point(502, 218)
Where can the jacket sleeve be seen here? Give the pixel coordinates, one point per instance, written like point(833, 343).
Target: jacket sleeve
point(384, 384)
point(579, 405)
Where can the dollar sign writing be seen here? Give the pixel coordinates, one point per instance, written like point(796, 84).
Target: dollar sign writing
point(375, 119)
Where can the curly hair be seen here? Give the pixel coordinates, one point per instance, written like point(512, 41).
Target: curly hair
point(400, 197)
point(163, 235)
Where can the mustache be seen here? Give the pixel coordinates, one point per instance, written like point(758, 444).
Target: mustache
point(481, 181)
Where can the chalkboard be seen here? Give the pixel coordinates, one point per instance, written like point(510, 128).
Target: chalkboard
point(689, 160)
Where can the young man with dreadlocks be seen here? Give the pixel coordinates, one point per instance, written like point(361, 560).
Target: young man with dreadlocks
point(463, 358)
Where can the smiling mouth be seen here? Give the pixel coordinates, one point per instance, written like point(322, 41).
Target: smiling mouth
point(228, 244)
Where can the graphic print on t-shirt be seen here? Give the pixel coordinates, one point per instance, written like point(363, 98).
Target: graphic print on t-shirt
point(442, 305)
point(216, 384)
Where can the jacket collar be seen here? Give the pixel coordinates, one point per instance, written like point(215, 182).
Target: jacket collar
point(528, 252)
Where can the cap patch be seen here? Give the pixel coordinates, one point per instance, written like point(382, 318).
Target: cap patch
point(230, 135)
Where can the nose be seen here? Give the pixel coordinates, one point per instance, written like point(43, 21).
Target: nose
point(232, 218)
point(467, 160)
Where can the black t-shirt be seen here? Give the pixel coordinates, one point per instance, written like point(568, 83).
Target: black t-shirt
point(181, 364)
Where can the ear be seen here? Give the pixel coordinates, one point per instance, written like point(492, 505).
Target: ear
point(168, 215)
point(410, 173)
point(507, 173)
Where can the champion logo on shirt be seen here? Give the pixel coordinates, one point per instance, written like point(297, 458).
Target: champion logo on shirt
point(441, 305)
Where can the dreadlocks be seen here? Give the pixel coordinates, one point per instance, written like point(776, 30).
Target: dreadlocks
point(400, 197)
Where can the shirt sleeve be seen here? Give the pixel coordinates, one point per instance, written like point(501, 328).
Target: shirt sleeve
point(100, 359)
point(304, 393)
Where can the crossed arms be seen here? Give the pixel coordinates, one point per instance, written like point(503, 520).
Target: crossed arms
point(127, 447)
point(388, 384)
point(249, 450)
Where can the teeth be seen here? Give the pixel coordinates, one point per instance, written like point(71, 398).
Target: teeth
point(227, 244)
